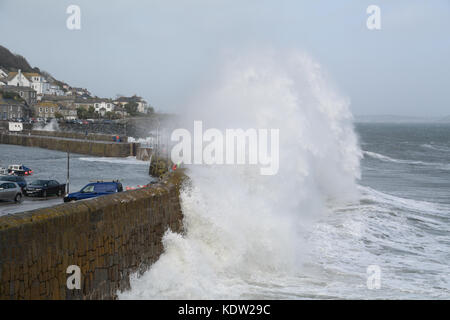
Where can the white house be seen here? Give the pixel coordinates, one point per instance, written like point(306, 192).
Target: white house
point(55, 90)
point(18, 79)
point(3, 73)
point(142, 105)
point(103, 106)
point(77, 92)
point(29, 79)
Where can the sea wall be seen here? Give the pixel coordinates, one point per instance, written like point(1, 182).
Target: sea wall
point(88, 147)
point(109, 238)
point(76, 135)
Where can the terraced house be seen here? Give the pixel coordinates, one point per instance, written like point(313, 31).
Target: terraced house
point(46, 109)
point(12, 107)
point(29, 95)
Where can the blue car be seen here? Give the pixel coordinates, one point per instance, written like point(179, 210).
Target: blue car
point(95, 189)
point(20, 180)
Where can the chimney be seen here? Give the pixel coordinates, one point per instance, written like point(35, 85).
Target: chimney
point(20, 77)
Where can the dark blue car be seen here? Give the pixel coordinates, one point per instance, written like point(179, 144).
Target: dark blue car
point(95, 189)
point(20, 180)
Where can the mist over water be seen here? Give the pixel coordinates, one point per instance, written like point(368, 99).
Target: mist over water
point(246, 232)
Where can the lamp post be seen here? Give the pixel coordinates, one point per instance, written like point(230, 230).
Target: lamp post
point(68, 169)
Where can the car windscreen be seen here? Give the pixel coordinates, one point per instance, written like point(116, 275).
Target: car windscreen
point(39, 183)
point(106, 187)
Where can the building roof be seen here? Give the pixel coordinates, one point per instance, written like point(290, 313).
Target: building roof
point(80, 100)
point(129, 99)
point(57, 98)
point(16, 88)
point(9, 101)
point(27, 75)
point(46, 104)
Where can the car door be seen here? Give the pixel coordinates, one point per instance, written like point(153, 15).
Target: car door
point(4, 191)
point(55, 186)
point(9, 191)
point(14, 189)
point(50, 187)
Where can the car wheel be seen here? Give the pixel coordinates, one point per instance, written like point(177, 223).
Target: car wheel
point(18, 198)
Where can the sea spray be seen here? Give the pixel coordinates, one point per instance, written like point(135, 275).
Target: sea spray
point(244, 231)
point(50, 126)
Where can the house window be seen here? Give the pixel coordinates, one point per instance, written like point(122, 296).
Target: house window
point(46, 110)
point(51, 110)
point(40, 110)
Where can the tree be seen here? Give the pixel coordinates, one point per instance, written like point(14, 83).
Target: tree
point(131, 108)
point(58, 115)
point(91, 112)
point(111, 115)
point(81, 113)
point(150, 110)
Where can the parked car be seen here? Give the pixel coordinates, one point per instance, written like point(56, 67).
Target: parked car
point(10, 191)
point(95, 189)
point(3, 171)
point(20, 180)
point(44, 188)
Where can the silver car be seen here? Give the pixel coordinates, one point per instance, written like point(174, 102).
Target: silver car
point(10, 191)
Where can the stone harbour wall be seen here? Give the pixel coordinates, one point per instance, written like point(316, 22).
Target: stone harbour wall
point(88, 147)
point(109, 238)
point(76, 135)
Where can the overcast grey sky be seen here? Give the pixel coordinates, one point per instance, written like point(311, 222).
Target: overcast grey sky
point(162, 49)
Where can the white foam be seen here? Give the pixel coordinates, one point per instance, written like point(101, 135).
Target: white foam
point(244, 230)
point(401, 161)
point(51, 126)
point(127, 160)
point(436, 147)
point(398, 202)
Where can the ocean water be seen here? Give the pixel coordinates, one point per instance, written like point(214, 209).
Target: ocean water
point(50, 164)
point(346, 198)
